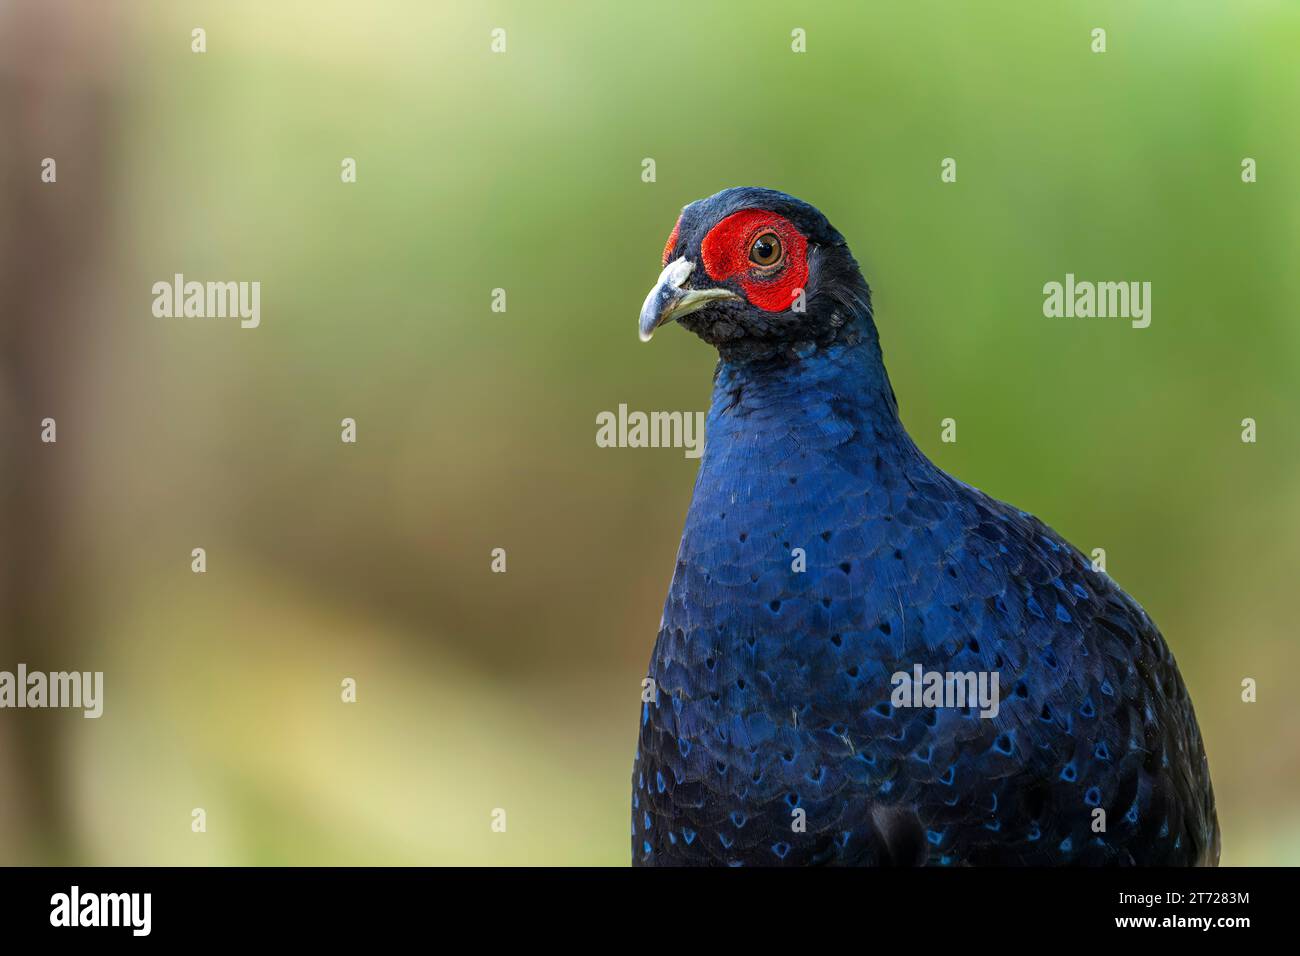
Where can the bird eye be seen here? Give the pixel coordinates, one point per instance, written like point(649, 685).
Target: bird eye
point(766, 250)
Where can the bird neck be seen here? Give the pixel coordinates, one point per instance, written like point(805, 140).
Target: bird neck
point(844, 382)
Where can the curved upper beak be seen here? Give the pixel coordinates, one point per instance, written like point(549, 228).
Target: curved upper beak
point(669, 299)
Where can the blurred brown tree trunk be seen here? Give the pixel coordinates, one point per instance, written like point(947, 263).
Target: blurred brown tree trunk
point(57, 85)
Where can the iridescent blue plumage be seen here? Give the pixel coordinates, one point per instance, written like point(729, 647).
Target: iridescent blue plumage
point(774, 684)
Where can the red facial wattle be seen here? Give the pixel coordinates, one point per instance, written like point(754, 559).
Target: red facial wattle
point(726, 254)
point(672, 240)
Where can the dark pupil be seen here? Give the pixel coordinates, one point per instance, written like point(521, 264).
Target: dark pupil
point(764, 250)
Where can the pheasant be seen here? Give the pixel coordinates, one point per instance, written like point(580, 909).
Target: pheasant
point(828, 569)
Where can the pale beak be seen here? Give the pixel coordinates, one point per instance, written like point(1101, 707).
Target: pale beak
point(668, 300)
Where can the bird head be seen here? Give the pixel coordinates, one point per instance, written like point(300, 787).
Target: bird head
point(754, 271)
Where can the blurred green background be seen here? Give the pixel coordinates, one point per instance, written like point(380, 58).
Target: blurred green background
point(476, 429)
